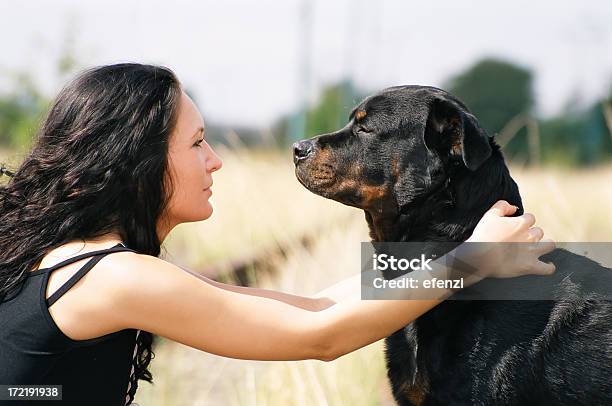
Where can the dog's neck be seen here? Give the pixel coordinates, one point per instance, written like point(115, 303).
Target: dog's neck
point(451, 212)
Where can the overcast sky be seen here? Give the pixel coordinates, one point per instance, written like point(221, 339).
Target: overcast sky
point(243, 60)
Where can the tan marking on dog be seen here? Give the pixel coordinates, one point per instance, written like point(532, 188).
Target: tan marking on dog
point(322, 158)
point(351, 180)
point(415, 393)
point(323, 155)
point(395, 170)
point(347, 184)
point(372, 194)
point(360, 114)
point(454, 122)
point(319, 171)
point(457, 147)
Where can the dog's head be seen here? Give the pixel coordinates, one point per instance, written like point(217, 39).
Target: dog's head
point(399, 146)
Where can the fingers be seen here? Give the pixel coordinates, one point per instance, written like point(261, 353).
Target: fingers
point(527, 220)
point(543, 268)
point(502, 208)
point(543, 247)
point(535, 234)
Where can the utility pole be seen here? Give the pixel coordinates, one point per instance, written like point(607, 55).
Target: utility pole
point(297, 123)
point(351, 59)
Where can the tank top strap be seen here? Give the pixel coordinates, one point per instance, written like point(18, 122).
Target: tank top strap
point(117, 248)
point(96, 257)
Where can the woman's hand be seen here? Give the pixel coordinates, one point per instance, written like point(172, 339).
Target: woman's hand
point(504, 247)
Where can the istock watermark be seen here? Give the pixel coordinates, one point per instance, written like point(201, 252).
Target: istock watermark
point(412, 270)
point(415, 283)
point(383, 262)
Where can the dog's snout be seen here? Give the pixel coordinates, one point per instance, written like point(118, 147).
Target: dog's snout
point(301, 150)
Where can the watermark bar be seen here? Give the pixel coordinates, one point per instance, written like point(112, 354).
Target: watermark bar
point(407, 270)
point(30, 392)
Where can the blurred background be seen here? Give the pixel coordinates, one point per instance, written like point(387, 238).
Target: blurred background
point(538, 75)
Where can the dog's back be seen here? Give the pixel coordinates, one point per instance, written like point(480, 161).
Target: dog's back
point(511, 352)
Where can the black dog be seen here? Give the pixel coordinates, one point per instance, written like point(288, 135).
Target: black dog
point(421, 167)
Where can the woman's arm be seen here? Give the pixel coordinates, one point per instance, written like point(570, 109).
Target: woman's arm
point(158, 297)
point(313, 304)
point(154, 295)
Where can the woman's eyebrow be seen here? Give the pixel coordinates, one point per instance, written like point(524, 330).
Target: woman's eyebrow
point(198, 131)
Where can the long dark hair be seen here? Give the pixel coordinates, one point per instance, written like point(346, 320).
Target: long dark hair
point(98, 165)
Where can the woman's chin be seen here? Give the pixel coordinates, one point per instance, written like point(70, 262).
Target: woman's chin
point(207, 212)
point(196, 214)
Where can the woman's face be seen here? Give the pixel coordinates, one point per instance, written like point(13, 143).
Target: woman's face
point(191, 162)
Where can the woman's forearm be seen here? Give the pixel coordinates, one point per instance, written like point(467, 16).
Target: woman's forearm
point(304, 302)
point(346, 289)
point(354, 323)
point(313, 304)
point(344, 322)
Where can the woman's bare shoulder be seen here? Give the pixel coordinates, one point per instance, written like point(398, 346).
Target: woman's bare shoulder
point(86, 310)
point(133, 269)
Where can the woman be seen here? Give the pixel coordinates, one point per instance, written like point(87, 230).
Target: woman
point(121, 160)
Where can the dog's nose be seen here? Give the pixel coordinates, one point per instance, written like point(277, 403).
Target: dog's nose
point(301, 150)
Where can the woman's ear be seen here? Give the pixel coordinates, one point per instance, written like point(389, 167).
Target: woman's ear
point(454, 130)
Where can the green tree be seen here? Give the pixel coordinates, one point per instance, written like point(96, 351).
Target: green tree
point(22, 109)
point(20, 113)
point(577, 138)
point(496, 91)
point(328, 114)
point(332, 110)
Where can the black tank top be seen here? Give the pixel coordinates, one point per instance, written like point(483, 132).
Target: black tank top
point(34, 351)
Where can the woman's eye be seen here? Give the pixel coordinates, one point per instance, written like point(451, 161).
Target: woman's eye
point(199, 142)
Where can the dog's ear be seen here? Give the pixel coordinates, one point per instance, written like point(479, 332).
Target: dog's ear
point(451, 127)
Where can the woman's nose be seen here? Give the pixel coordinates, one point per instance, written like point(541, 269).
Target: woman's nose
point(214, 162)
